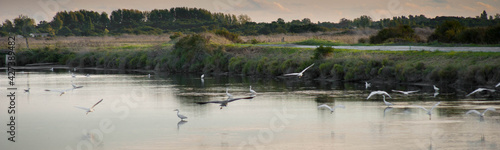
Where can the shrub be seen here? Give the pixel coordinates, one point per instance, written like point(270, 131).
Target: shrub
point(322, 52)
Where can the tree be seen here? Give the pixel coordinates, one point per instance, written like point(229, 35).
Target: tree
point(244, 19)
point(24, 26)
point(8, 26)
point(363, 21)
point(484, 15)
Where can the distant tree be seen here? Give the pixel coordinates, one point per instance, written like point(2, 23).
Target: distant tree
point(484, 15)
point(363, 21)
point(24, 26)
point(306, 21)
point(65, 31)
point(447, 32)
point(8, 26)
point(244, 19)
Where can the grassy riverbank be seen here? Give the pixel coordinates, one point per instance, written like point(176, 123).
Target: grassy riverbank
point(198, 53)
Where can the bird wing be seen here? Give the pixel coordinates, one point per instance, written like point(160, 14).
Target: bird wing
point(291, 74)
point(371, 94)
point(489, 108)
point(422, 108)
point(325, 106)
point(235, 99)
point(497, 85)
point(473, 111)
point(435, 105)
point(306, 68)
point(491, 90)
point(84, 108)
point(409, 92)
point(76, 87)
point(182, 116)
point(339, 106)
point(475, 91)
point(385, 93)
point(398, 91)
point(97, 103)
point(209, 102)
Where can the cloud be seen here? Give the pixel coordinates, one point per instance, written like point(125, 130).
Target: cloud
point(281, 7)
point(488, 7)
point(468, 8)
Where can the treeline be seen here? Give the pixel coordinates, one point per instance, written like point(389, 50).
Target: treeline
point(195, 20)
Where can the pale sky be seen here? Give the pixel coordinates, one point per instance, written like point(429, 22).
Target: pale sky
point(262, 10)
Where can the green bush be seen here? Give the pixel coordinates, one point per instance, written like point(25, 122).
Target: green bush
point(322, 52)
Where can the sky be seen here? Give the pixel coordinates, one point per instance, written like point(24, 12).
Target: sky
point(262, 10)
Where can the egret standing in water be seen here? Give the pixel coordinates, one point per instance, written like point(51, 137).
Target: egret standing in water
point(481, 114)
point(429, 112)
point(149, 75)
point(91, 109)
point(367, 85)
point(252, 91)
point(73, 75)
point(378, 93)
point(51, 69)
point(331, 109)
point(300, 74)
point(202, 76)
point(228, 95)
point(480, 90)
point(387, 103)
point(180, 116)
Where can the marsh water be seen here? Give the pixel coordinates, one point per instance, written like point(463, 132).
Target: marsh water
point(137, 113)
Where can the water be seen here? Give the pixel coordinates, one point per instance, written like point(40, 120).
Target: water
point(403, 48)
point(137, 113)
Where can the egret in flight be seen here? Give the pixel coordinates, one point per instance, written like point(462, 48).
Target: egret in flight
point(436, 89)
point(225, 102)
point(480, 90)
point(378, 93)
point(180, 116)
point(406, 92)
point(481, 114)
point(91, 109)
point(367, 85)
point(76, 86)
point(300, 74)
point(331, 109)
point(387, 103)
point(429, 111)
point(61, 92)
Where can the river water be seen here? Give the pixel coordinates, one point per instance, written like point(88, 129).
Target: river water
point(401, 48)
point(137, 113)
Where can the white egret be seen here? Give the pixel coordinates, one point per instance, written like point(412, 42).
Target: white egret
point(481, 114)
point(298, 74)
point(387, 103)
point(225, 102)
point(436, 94)
point(91, 109)
point(252, 91)
point(61, 92)
point(228, 95)
point(429, 112)
point(480, 90)
point(406, 92)
point(149, 75)
point(179, 115)
point(497, 84)
point(435, 88)
point(202, 76)
point(27, 90)
point(331, 109)
point(378, 93)
point(74, 69)
point(51, 69)
point(73, 75)
point(367, 85)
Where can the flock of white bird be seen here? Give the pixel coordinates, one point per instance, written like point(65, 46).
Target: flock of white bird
point(74, 86)
point(230, 98)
